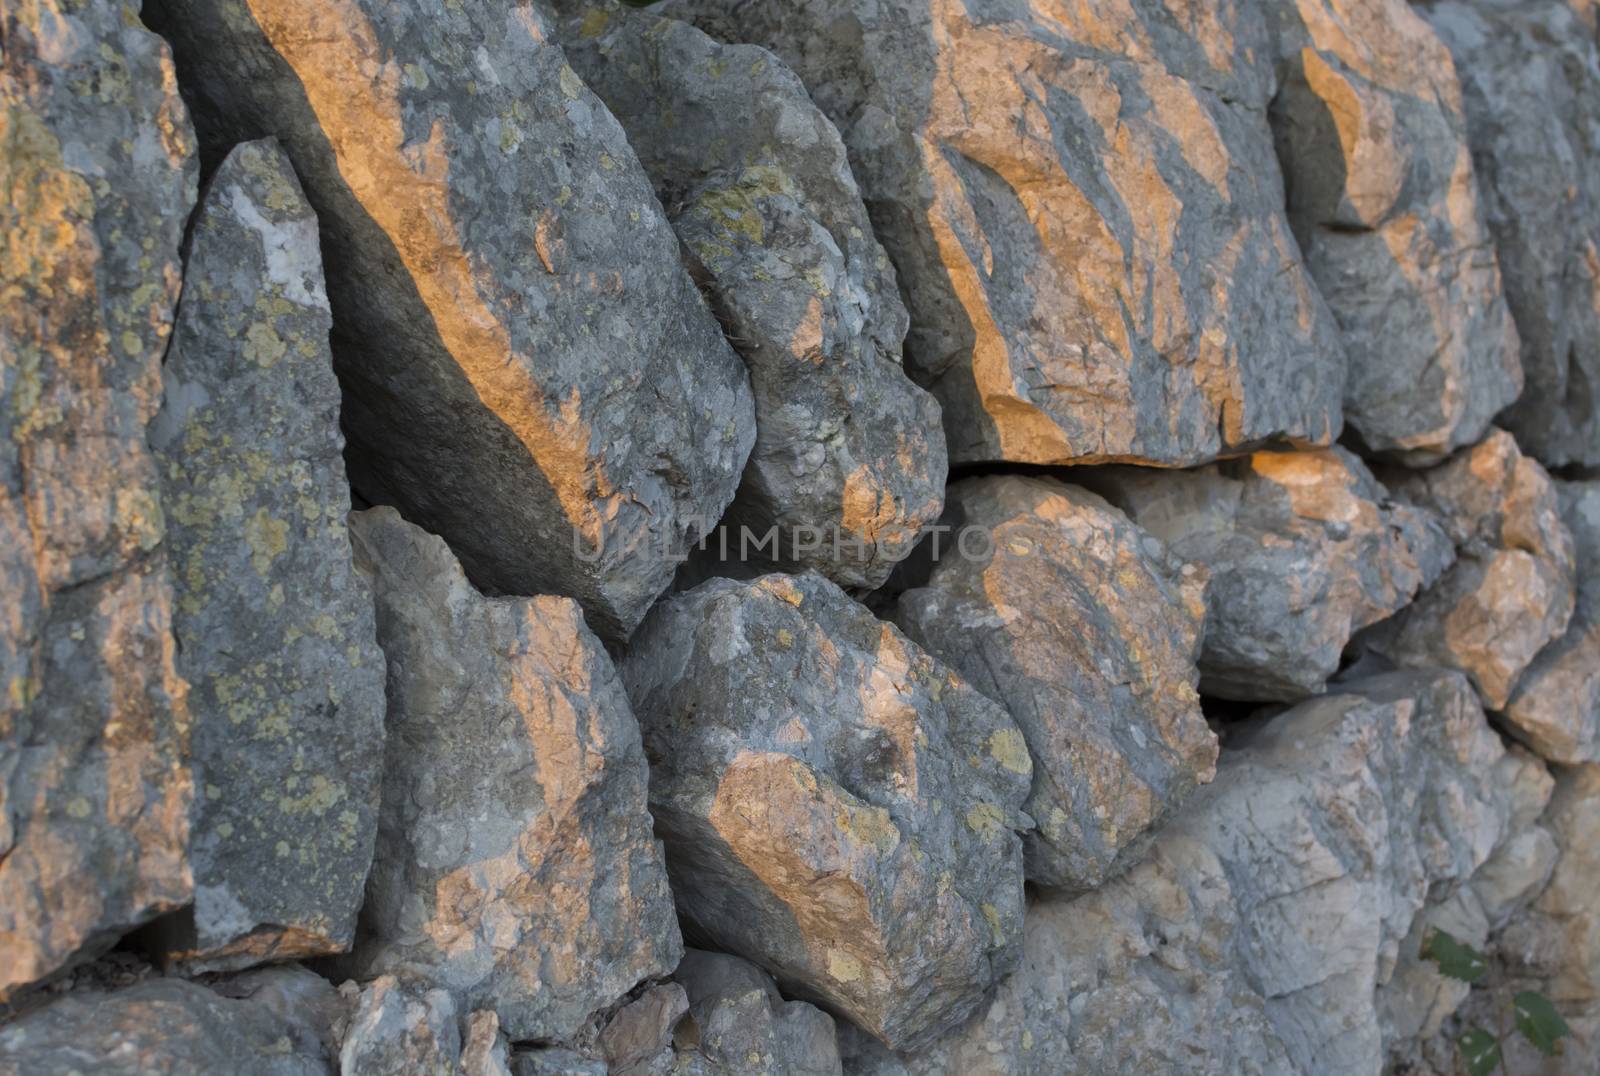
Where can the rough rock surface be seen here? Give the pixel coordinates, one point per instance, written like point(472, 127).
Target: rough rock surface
point(97, 162)
point(400, 1027)
point(845, 445)
point(837, 806)
point(1510, 591)
point(1086, 631)
point(1384, 203)
point(163, 1025)
point(540, 383)
point(515, 864)
point(484, 1049)
point(638, 1039)
point(1254, 936)
point(1086, 215)
point(274, 628)
point(1530, 81)
point(1304, 548)
point(742, 1023)
point(1556, 706)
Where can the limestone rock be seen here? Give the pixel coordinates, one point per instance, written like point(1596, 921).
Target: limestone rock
point(743, 1024)
point(161, 1025)
point(515, 864)
point(1510, 591)
point(1530, 82)
point(274, 628)
point(401, 1027)
point(99, 173)
point(638, 1039)
point(1086, 631)
point(1254, 936)
point(297, 995)
point(1303, 548)
point(837, 806)
point(1086, 215)
point(529, 370)
point(484, 1049)
point(848, 453)
point(1556, 706)
point(1384, 203)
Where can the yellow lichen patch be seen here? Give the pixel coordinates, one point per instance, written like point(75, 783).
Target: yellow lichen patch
point(785, 638)
point(1008, 748)
point(263, 346)
point(268, 539)
point(985, 818)
point(872, 825)
point(992, 914)
point(594, 23)
point(571, 84)
point(844, 967)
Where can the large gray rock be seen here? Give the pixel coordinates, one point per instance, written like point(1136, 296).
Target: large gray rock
point(743, 1025)
point(274, 627)
point(530, 371)
point(99, 171)
point(515, 864)
point(1086, 631)
point(1304, 549)
point(170, 1026)
point(1510, 591)
point(837, 805)
point(1255, 936)
point(1086, 215)
point(1556, 706)
point(1385, 206)
point(1530, 81)
point(849, 461)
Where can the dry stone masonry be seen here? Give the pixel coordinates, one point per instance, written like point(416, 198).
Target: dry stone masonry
point(1176, 418)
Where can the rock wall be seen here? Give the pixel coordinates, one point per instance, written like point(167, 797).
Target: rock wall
point(798, 537)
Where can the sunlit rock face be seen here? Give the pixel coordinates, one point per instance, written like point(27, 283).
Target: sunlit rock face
point(99, 172)
point(1086, 214)
point(1254, 936)
point(274, 627)
point(1384, 203)
point(1303, 548)
point(529, 370)
point(757, 186)
point(515, 865)
point(1556, 706)
point(1087, 631)
point(1530, 82)
point(837, 806)
point(1510, 591)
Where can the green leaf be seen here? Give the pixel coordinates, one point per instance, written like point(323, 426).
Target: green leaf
point(1455, 957)
point(1539, 1022)
point(1480, 1051)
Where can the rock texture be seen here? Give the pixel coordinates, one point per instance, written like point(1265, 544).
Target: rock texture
point(837, 805)
point(274, 628)
point(1510, 591)
point(398, 1027)
point(541, 384)
point(99, 173)
point(1086, 215)
point(1086, 631)
point(515, 865)
point(1304, 548)
point(1384, 203)
point(1530, 81)
point(163, 1025)
point(1254, 936)
point(742, 1023)
point(1556, 706)
point(849, 460)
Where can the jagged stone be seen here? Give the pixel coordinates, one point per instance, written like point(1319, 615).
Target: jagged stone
point(743, 1025)
point(849, 461)
point(484, 1049)
point(1254, 937)
point(1384, 203)
point(1304, 548)
point(295, 994)
point(515, 864)
point(1556, 706)
point(836, 805)
point(1079, 623)
point(99, 172)
point(401, 1027)
point(529, 370)
point(555, 1061)
point(1530, 83)
point(274, 627)
point(1086, 215)
point(1510, 591)
point(161, 1025)
point(638, 1039)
